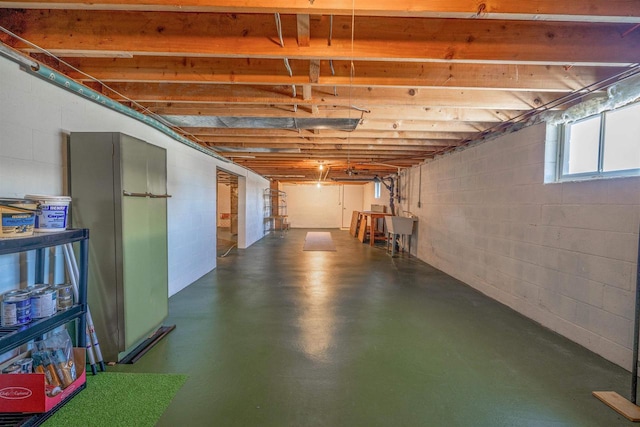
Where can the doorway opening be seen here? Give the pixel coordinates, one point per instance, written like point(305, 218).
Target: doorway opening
point(227, 217)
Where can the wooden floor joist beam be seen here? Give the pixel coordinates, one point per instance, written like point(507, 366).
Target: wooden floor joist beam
point(584, 11)
point(358, 97)
point(75, 32)
point(156, 69)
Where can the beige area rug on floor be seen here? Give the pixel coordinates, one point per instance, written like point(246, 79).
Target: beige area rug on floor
point(318, 241)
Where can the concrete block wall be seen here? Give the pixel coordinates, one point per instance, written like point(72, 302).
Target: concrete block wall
point(35, 120)
point(563, 254)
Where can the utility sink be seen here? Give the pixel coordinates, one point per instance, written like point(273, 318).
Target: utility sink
point(399, 224)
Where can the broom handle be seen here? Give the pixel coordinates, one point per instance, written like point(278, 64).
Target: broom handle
point(90, 326)
point(73, 279)
point(92, 359)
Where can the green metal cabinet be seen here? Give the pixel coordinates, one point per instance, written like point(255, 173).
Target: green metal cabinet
point(119, 191)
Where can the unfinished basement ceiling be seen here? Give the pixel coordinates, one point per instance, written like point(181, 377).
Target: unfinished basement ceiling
point(279, 86)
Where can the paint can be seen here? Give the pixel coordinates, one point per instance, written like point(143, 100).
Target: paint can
point(37, 287)
point(17, 217)
point(26, 365)
point(54, 212)
point(16, 308)
point(43, 303)
point(12, 369)
point(65, 296)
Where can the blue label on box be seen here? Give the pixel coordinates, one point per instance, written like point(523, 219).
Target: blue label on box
point(16, 220)
point(17, 223)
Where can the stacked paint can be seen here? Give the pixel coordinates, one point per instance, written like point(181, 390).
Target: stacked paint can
point(16, 308)
point(65, 296)
point(43, 301)
point(38, 301)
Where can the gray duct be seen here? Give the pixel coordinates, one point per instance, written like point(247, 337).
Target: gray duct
point(346, 124)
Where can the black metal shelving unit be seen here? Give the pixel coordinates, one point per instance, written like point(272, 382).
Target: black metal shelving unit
point(11, 337)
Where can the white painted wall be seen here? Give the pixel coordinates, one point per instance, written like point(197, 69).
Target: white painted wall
point(251, 208)
point(35, 119)
point(369, 200)
point(352, 200)
point(562, 254)
point(311, 207)
point(224, 204)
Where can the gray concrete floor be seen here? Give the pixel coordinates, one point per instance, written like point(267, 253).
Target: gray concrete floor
point(276, 336)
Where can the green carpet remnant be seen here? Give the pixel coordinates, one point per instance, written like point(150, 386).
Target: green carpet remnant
point(119, 399)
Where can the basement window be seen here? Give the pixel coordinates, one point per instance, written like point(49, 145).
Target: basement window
point(376, 190)
point(604, 145)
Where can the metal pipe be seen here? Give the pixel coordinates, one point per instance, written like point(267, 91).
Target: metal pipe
point(67, 83)
point(330, 30)
point(333, 73)
point(420, 187)
point(279, 28)
point(288, 67)
point(83, 278)
point(18, 57)
point(40, 265)
point(636, 330)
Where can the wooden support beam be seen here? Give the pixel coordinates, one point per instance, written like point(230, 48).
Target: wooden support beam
point(156, 69)
point(388, 126)
point(377, 38)
point(304, 29)
point(323, 134)
point(306, 92)
point(407, 112)
point(257, 142)
point(357, 156)
point(584, 11)
point(314, 71)
point(359, 97)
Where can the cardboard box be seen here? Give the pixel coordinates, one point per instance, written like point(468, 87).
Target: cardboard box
point(26, 392)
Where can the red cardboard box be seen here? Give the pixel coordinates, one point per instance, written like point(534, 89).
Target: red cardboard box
point(26, 392)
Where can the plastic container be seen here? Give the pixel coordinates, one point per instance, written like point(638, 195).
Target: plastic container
point(28, 392)
point(17, 217)
point(54, 212)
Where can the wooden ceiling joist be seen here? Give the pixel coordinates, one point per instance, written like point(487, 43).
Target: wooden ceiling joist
point(377, 112)
point(358, 97)
point(276, 134)
point(155, 69)
point(320, 142)
point(583, 11)
point(378, 38)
